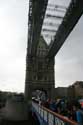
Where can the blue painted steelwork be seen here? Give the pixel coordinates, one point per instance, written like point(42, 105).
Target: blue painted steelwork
point(41, 120)
point(47, 117)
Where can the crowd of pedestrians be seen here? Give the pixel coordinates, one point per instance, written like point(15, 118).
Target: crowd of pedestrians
point(71, 109)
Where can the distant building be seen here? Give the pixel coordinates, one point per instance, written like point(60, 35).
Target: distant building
point(71, 92)
point(75, 90)
point(78, 88)
point(60, 92)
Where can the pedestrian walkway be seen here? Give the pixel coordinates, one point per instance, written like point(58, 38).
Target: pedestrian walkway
point(47, 116)
point(32, 121)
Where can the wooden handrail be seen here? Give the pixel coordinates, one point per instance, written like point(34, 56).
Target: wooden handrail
point(61, 117)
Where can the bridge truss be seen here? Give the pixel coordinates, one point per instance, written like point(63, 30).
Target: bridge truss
point(53, 21)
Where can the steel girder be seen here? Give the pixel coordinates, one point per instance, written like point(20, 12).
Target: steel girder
point(70, 19)
point(37, 10)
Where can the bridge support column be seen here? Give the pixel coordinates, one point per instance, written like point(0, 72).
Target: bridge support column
point(39, 72)
point(39, 76)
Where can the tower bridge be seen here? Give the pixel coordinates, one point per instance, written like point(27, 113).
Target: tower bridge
point(44, 24)
point(47, 21)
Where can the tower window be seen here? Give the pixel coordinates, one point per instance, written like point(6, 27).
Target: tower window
point(45, 78)
point(39, 76)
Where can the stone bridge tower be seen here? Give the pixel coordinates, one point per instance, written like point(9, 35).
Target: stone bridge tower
point(40, 57)
point(39, 71)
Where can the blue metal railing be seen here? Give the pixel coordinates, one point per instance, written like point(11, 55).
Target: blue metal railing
point(48, 117)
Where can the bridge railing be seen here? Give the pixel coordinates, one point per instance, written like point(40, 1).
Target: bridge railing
point(51, 118)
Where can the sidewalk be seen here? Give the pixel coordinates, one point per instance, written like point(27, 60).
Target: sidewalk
point(31, 121)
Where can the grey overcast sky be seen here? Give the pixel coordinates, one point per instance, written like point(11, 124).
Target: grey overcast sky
point(13, 44)
point(69, 60)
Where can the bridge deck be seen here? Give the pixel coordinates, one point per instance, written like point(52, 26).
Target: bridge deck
point(31, 121)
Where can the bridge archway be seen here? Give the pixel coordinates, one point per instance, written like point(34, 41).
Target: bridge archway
point(40, 94)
